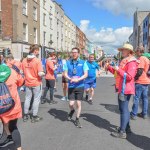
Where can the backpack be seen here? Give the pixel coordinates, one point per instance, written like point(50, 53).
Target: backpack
point(148, 72)
point(147, 55)
point(6, 101)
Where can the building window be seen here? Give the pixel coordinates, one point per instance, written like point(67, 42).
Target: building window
point(44, 3)
point(25, 32)
point(50, 23)
point(57, 35)
point(24, 7)
point(44, 19)
point(44, 38)
point(69, 35)
point(62, 37)
point(35, 35)
point(51, 37)
point(35, 13)
point(50, 9)
point(66, 33)
point(62, 19)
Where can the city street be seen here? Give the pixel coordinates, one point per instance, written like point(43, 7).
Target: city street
point(98, 120)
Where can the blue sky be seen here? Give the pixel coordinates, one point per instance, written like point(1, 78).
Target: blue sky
point(107, 23)
point(83, 10)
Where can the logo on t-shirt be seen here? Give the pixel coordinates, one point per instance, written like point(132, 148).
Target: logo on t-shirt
point(80, 64)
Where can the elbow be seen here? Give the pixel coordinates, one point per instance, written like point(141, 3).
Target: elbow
point(86, 75)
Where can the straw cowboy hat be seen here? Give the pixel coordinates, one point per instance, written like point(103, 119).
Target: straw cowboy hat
point(127, 46)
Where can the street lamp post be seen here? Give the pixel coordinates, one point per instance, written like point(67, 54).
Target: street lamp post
point(50, 43)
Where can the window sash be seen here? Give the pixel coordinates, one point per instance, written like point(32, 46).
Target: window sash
point(25, 32)
point(34, 13)
point(24, 9)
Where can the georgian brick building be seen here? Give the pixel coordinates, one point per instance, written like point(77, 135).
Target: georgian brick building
point(19, 25)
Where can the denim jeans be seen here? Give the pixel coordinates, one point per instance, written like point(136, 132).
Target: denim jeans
point(124, 112)
point(32, 92)
point(141, 92)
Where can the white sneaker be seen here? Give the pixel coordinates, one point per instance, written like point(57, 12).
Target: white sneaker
point(90, 99)
point(64, 98)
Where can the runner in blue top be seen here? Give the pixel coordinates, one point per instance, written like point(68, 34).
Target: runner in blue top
point(75, 70)
point(90, 81)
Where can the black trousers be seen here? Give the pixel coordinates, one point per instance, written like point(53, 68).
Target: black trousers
point(15, 133)
point(50, 84)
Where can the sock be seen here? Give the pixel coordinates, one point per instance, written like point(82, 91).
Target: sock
point(77, 118)
point(71, 112)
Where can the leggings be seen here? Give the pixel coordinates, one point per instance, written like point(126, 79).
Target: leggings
point(15, 133)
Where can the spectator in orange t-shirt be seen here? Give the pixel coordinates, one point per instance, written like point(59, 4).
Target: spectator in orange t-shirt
point(33, 72)
point(50, 78)
point(11, 117)
point(141, 85)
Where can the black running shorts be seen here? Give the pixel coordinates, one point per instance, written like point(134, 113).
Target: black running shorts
point(75, 93)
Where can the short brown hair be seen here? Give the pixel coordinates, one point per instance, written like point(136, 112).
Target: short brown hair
point(34, 47)
point(91, 55)
point(76, 48)
point(10, 56)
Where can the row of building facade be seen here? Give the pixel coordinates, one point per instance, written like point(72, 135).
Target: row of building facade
point(43, 22)
point(141, 30)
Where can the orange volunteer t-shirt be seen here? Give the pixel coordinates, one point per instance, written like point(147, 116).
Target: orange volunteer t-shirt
point(144, 64)
point(15, 80)
point(31, 68)
point(50, 70)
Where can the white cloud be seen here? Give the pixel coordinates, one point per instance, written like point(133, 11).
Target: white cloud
point(109, 38)
point(122, 6)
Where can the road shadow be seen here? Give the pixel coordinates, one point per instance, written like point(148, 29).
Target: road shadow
point(139, 141)
point(111, 108)
point(98, 122)
point(58, 96)
point(58, 114)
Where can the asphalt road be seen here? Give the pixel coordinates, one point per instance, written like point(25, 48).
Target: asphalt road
point(98, 120)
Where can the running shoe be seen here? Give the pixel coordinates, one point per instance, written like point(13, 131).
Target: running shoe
point(7, 142)
point(78, 124)
point(25, 117)
point(36, 119)
point(119, 134)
